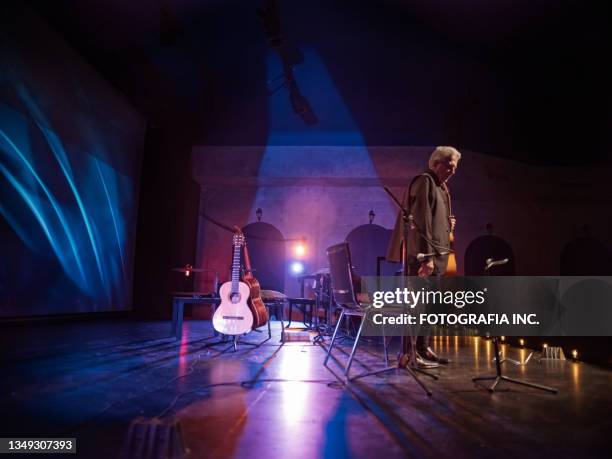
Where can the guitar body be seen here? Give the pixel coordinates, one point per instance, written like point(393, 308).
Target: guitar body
point(258, 308)
point(233, 316)
point(451, 267)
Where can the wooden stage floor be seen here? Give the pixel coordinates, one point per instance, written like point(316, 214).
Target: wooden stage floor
point(89, 380)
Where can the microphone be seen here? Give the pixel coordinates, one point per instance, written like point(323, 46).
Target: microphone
point(422, 256)
point(489, 263)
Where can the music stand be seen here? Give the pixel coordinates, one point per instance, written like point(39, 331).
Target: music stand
point(498, 377)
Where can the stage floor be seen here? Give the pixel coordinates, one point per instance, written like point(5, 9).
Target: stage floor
point(89, 380)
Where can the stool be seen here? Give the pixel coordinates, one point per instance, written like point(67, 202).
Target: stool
point(275, 301)
point(301, 304)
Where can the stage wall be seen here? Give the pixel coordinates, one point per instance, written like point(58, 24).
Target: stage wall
point(322, 193)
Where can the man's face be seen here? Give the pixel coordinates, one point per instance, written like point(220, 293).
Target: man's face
point(446, 168)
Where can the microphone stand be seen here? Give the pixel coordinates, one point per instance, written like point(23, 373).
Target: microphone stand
point(412, 366)
point(498, 377)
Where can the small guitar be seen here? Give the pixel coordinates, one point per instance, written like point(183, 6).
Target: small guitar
point(451, 267)
point(258, 308)
point(233, 316)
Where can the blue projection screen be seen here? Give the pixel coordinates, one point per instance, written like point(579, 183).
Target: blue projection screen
point(70, 158)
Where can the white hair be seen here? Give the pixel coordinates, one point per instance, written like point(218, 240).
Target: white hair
point(441, 153)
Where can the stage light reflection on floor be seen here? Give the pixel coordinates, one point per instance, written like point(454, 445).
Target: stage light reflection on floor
point(295, 365)
point(221, 417)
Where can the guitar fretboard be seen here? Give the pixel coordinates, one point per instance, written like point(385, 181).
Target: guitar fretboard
point(236, 269)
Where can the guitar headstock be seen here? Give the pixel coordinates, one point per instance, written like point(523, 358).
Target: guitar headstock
point(238, 239)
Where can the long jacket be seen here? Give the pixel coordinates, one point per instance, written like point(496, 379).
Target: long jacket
point(428, 201)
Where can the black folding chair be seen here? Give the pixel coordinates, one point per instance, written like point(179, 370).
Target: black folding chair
point(343, 292)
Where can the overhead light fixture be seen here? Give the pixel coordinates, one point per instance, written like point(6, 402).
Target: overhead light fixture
point(290, 57)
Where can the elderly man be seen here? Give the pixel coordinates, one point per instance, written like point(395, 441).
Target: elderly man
point(428, 240)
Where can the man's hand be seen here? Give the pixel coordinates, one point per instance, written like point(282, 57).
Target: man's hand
point(453, 222)
point(426, 268)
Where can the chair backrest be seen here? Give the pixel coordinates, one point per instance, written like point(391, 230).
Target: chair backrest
point(341, 274)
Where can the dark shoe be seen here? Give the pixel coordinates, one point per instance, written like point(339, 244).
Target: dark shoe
point(429, 354)
point(425, 364)
point(404, 362)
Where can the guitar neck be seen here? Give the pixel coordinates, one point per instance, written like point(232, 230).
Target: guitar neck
point(236, 269)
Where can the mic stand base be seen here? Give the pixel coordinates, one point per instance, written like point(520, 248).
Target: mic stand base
point(412, 367)
point(499, 377)
point(411, 371)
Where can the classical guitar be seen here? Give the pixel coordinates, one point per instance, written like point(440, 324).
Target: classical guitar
point(451, 267)
point(233, 316)
point(258, 308)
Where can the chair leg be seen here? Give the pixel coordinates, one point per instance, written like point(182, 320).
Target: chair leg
point(333, 337)
point(174, 318)
point(386, 345)
point(350, 360)
point(179, 320)
point(282, 321)
point(304, 314)
point(269, 326)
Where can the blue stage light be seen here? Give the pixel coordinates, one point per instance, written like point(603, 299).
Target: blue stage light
point(297, 267)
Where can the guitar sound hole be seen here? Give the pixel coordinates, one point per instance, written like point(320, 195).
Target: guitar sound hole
point(235, 298)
